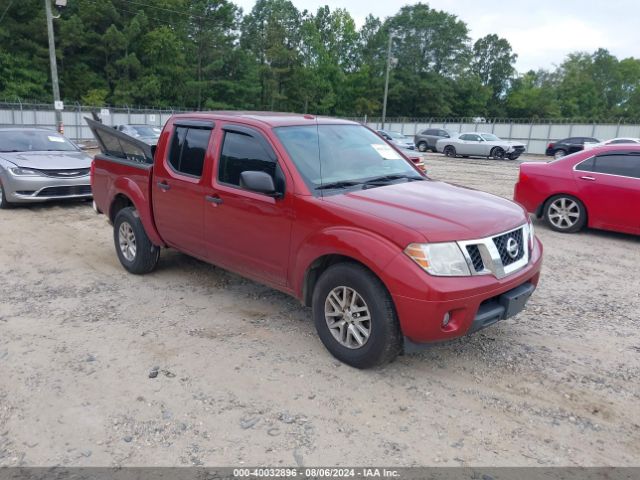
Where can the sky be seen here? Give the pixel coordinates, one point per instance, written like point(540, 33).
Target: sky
point(541, 32)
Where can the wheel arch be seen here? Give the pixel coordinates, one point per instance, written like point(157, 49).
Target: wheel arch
point(127, 193)
point(321, 251)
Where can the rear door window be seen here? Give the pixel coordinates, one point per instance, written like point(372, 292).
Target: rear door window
point(626, 165)
point(188, 149)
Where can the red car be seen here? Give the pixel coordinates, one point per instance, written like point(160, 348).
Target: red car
point(327, 211)
point(598, 188)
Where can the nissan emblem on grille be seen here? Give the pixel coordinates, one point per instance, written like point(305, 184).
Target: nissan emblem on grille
point(512, 247)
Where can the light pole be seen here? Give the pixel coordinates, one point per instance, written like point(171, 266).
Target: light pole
point(386, 81)
point(58, 106)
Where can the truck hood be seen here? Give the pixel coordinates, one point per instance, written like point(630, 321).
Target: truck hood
point(439, 211)
point(48, 160)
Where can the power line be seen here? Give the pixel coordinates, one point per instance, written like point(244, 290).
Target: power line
point(6, 10)
point(168, 10)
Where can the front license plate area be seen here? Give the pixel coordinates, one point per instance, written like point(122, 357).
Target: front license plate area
point(515, 300)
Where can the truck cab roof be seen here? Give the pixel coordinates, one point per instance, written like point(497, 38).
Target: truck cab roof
point(266, 119)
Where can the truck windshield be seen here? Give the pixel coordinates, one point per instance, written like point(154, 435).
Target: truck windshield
point(34, 140)
point(335, 154)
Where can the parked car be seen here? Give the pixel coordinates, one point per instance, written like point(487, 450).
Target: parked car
point(480, 145)
point(37, 165)
point(327, 211)
point(426, 139)
point(614, 141)
point(599, 188)
point(567, 146)
point(146, 133)
point(398, 139)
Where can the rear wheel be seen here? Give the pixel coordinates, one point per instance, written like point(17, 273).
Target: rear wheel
point(449, 151)
point(498, 152)
point(3, 198)
point(422, 146)
point(354, 316)
point(135, 251)
point(559, 153)
point(565, 213)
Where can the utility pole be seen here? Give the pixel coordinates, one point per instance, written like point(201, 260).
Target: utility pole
point(54, 67)
point(386, 81)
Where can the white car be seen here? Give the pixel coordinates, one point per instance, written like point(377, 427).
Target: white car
point(398, 139)
point(480, 144)
point(613, 141)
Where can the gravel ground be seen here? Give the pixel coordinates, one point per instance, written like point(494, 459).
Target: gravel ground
point(193, 365)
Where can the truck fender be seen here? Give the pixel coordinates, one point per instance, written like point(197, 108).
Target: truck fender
point(372, 250)
point(126, 187)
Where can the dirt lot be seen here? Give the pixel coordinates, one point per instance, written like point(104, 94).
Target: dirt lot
point(243, 379)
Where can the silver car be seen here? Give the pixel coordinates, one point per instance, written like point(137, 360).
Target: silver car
point(38, 165)
point(148, 134)
point(480, 145)
point(398, 139)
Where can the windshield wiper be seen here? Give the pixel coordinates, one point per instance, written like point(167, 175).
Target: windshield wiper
point(342, 184)
point(385, 179)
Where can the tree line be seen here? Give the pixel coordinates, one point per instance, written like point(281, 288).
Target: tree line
point(209, 54)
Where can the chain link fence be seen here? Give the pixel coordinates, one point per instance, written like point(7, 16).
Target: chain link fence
point(536, 133)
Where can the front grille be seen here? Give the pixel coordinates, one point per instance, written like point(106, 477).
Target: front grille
point(65, 191)
point(501, 244)
point(72, 173)
point(476, 258)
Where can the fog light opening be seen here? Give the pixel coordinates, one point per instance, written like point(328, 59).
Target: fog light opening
point(445, 319)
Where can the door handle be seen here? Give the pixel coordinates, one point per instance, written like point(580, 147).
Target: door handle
point(586, 177)
point(164, 186)
point(216, 200)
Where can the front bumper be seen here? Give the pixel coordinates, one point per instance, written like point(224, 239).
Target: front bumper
point(471, 303)
point(26, 189)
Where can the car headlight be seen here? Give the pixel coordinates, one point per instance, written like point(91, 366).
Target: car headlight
point(439, 259)
point(23, 172)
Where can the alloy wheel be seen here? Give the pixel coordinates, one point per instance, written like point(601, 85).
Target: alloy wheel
point(564, 213)
point(348, 317)
point(127, 241)
point(559, 154)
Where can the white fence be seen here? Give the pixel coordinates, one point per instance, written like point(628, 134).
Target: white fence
point(536, 135)
point(73, 117)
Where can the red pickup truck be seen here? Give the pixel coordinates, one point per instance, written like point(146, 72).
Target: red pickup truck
point(327, 211)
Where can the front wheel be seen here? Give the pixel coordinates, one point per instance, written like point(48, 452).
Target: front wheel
point(135, 251)
point(449, 151)
point(3, 198)
point(565, 213)
point(498, 153)
point(355, 317)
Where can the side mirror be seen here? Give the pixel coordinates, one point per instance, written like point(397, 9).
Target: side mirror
point(260, 182)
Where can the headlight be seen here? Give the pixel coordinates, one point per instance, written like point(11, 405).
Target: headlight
point(23, 172)
point(439, 259)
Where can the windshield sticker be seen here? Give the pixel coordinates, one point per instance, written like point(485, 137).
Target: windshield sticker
point(56, 139)
point(386, 152)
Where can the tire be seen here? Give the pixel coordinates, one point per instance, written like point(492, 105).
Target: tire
point(341, 283)
point(498, 153)
point(449, 151)
point(422, 146)
point(559, 153)
point(4, 204)
point(565, 213)
point(144, 255)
